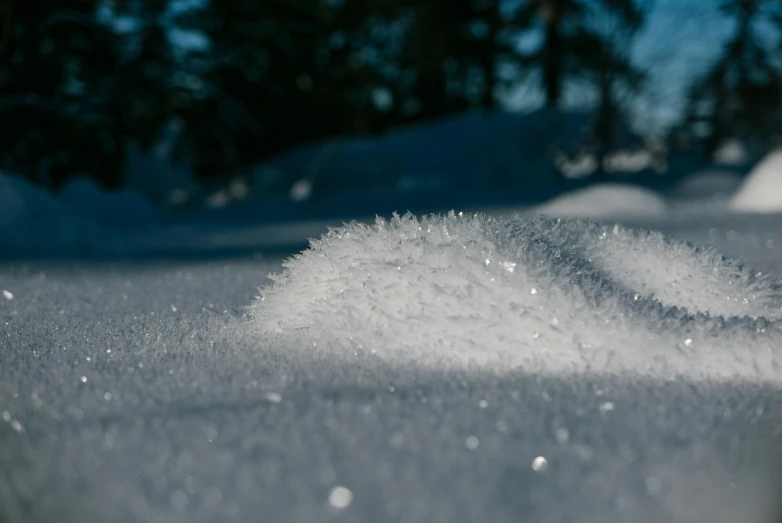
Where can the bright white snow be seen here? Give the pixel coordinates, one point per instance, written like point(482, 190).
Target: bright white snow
point(605, 200)
point(762, 188)
point(136, 391)
point(543, 295)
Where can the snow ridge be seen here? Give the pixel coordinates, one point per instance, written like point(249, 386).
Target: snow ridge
point(545, 295)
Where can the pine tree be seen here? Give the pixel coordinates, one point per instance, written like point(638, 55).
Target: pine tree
point(274, 76)
point(144, 89)
point(739, 95)
point(451, 55)
point(605, 62)
point(572, 43)
point(56, 66)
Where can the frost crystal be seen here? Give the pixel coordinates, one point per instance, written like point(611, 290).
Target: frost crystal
point(615, 298)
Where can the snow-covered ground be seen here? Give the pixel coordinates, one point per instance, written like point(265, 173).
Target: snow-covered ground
point(500, 366)
point(586, 372)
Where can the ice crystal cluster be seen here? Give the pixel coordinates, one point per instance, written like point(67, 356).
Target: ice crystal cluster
point(542, 294)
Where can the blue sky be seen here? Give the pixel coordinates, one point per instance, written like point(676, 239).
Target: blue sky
point(681, 39)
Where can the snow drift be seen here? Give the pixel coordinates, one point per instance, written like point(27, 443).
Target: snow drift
point(712, 184)
point(33, 222)
point(762, 189)
point(123, 208)
point(471, 149)
point(605, 200)
point(544, 295)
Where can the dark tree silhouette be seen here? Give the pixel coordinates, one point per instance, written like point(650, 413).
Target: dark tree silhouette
point(739, 95)
point(144, 90)
point(571, 43)
point(56, 68)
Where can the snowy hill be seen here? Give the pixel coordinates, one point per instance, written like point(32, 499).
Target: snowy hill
point(762, 188)
point(547, 296)
point(32, 221)
point(124, 208)
point(476, 150)
point(605, 200)
point(711, 184)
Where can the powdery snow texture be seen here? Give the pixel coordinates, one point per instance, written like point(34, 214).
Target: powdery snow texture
point(762, 189)
point(548, 296)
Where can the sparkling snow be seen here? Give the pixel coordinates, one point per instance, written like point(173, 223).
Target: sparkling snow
point(418, 369)
point(581, 297)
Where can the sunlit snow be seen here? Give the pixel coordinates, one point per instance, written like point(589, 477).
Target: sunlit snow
point(605, 200)
point(762, 188)
point(580, 297)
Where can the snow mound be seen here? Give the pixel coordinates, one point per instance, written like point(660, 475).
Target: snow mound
point(472, 149)
point(545, 295)
point(731, 152)
point(33, 222)
point(708, 185)
point(122, 208)
point(605, 200)
point(762, 189)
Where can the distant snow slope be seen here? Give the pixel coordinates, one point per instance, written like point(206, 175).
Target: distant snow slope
point(124, 208)
point(762, 188)
point(32, 221)
point(469, 149)
point(708, 184)
point(544, 295)
point(605, 200)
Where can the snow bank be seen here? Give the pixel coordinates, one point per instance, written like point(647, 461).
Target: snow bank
point(731, 152)
point(475, 149)
point(605, 200)
point(762, 189)
point(122, 208)
point(544, 295)
point(710, 184)
point(32, 221)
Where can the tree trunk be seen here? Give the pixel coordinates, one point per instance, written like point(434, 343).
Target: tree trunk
point(606, 122)
point(431, 54)
point(489, 54)
point(552, 73)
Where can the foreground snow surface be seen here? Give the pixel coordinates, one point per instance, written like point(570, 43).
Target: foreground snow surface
point(402, 371)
